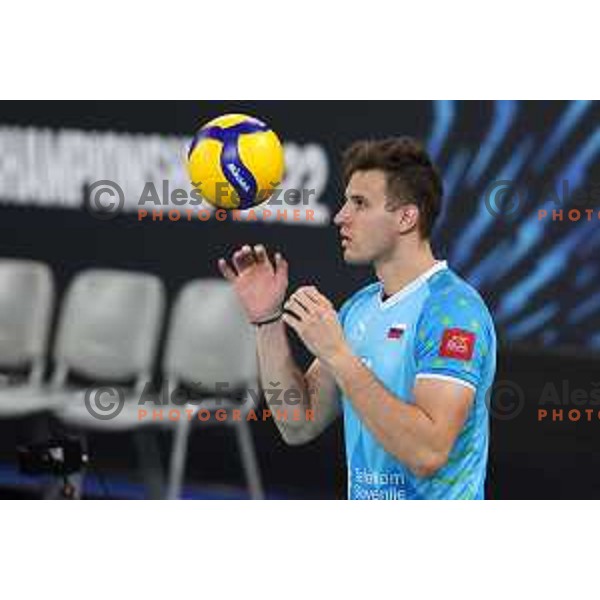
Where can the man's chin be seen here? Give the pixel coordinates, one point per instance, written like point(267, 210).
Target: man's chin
point(351, 258)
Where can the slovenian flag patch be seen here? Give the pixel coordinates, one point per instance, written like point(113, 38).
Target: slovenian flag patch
point(395, 332)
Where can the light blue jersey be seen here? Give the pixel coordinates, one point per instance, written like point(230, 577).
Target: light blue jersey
point(436, 327)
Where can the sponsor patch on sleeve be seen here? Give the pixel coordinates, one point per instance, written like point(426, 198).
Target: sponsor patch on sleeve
point(457, 343)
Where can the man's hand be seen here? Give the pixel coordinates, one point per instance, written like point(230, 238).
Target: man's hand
point(260, 286)
point(312, 316)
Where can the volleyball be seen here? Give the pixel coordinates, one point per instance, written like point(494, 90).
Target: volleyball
point(235, 161)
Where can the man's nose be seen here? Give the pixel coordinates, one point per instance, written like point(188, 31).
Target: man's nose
point(341, 216)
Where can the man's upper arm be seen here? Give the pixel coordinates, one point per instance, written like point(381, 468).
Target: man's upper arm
point(452, 346)
point(447, 404)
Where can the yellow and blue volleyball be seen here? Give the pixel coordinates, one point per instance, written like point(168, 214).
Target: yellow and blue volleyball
point(235, 161)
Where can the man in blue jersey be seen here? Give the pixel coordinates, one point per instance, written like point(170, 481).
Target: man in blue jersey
point(408, 359)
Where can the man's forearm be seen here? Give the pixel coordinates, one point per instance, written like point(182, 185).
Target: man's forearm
point(278, 369)
point(403, 429)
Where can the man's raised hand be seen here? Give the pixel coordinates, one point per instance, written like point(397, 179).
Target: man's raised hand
point(259, 284)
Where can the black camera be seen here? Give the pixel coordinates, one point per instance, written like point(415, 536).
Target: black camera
point(54, 457)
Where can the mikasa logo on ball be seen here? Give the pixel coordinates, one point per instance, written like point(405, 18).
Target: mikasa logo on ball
point(234, 170)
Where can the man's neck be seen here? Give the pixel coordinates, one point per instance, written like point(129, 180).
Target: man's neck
point(403, 267)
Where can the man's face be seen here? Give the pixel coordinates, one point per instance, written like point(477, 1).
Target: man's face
point(368, 231)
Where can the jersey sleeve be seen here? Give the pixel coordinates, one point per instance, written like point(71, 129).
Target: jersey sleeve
point(453, 340)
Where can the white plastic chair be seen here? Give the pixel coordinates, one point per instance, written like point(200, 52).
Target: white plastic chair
point(108, 335)
point(26, 302)
point(209, 341)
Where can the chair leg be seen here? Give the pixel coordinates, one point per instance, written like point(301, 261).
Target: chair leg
point(249, 461)
point(149, 463)
point(178, 459)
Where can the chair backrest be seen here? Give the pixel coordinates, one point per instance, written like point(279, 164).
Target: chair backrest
point(26, 302)
point(209, 339)
point(109, 325)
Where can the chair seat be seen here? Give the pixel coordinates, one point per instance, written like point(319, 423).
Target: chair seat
point(73, 410)
point(23, 400)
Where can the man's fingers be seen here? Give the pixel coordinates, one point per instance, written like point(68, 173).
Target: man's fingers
point(260, 253)
point(262, 258)
point(295, 306)
point(281, 266)
point(322, 299)
point(247, 256)
point(312, 295)
point(281, 270)
point(243, 258)
point(291, 320)
point(226, 270)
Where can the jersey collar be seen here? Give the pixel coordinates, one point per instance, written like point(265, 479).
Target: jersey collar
point(408, 289)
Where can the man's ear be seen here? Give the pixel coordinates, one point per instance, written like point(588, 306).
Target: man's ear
point(408, 218)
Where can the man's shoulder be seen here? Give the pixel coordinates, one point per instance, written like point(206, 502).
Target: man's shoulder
point(449, 292)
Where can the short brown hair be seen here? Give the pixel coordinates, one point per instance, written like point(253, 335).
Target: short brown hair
point(411, 176)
